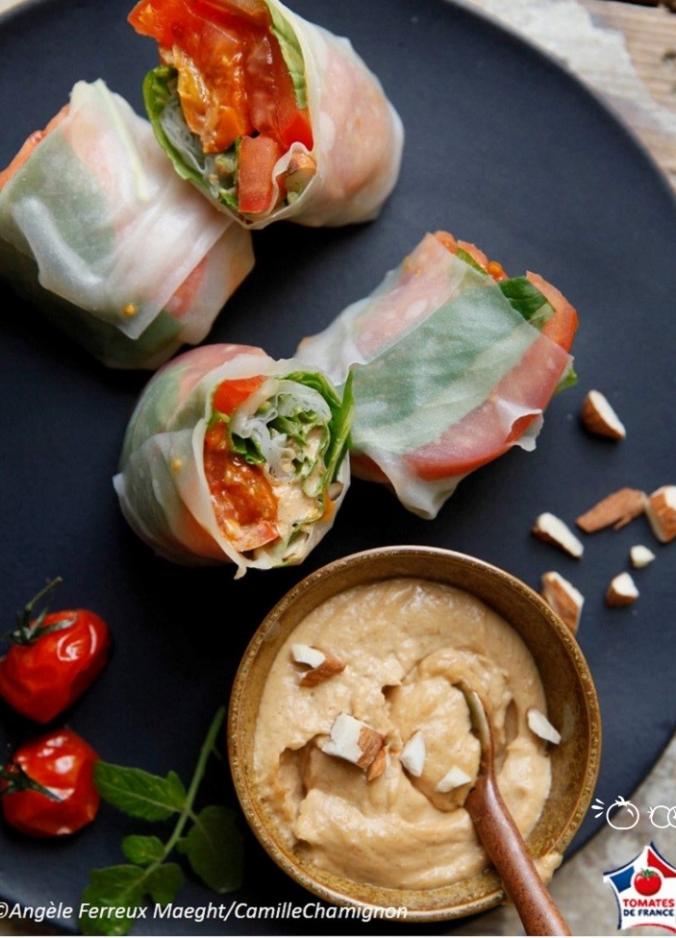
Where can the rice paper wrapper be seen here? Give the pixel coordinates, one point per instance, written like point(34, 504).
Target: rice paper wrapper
point(162, 485)
point(358, 135)
point(103, 232)
point(444, 369)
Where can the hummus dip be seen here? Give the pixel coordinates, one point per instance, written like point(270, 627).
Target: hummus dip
point(404, 644)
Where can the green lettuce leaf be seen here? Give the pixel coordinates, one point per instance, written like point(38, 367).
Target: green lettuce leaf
point(342, 410)
point(292, 54)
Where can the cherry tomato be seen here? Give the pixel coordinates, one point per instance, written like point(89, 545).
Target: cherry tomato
point(53, 659)
point(47, 789)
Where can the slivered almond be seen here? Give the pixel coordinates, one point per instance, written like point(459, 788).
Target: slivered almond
point(641, 556)
point(540, 725)
point(621, 591)
point(661, 511)
point(551, 529)
point(563, 598)
point(617, 509)
point(413, 755)
point(354, 741)
point(599, 417)
point(378, 766)
point(454, 778)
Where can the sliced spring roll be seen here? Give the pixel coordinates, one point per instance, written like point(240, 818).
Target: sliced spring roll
point(453, 362)
point(104, 237)
point(270, 116)
point(233, 457)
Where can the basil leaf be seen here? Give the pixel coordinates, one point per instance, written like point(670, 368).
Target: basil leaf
point(214, 849)
point(142, 850)
point(138, 793)
point(292, 55)
point(526, 300)
point(164, 883)
point(116, 887)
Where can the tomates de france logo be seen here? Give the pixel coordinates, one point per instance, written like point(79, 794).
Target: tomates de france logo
point(645, 890)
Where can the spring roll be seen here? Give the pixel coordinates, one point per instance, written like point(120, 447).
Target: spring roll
point(452, 361)
point(104, 238)
point(233, 457)
point(270, 116)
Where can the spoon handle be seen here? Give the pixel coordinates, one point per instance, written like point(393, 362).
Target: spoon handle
point(508, 853)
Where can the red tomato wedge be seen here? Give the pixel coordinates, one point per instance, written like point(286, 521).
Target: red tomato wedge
point(30, 144)
point(243, 499)
point(233, 80)
point(479, 437)
point(230, 394)
point(257, 158)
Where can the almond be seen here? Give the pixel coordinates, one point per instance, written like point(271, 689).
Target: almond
point(322, 665)
point(622, 591)
point(378, 766)
point(540, 725)
point(641, 556)
point(354, 741)
point(454, 778)
point(413, 755)
point(661, 510)
point(617, 509)
point(551, 529)
point(599, 417)
point(563, 598)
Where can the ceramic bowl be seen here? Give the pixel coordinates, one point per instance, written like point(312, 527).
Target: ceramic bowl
point(571, 703)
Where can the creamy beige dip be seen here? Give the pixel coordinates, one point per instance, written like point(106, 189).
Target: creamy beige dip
point(405, 643)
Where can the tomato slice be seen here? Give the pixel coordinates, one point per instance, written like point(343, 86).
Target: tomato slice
point(244, 502)
point(479, 437)
point(230, 394)
point(257, 158)
point(233, 80)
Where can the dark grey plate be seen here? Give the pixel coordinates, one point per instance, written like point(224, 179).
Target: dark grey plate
point(504, 148)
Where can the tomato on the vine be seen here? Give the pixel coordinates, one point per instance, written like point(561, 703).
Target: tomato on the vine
point(47, 788)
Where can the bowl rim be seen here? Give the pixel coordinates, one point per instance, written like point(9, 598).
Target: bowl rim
point(301, 872)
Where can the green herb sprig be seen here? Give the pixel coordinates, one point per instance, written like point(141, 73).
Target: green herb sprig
point(209, 839)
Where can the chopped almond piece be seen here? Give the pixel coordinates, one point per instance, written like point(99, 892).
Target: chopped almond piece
point(306, 654)
point(641, 556)
point(563, 598)
point(413, 755)
point(617, 509)
point(622, 591)
point(322, 665)
point(540, 725)
point(661, 510)
point(378, 766)
point(599, 417)
point(551, 529)
point(354, 741)
point(327, 669)
point(454, 778)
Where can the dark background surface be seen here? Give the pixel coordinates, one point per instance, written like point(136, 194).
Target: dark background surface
point(503, 148)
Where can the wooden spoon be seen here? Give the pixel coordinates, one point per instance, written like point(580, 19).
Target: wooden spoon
point(501, 839)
